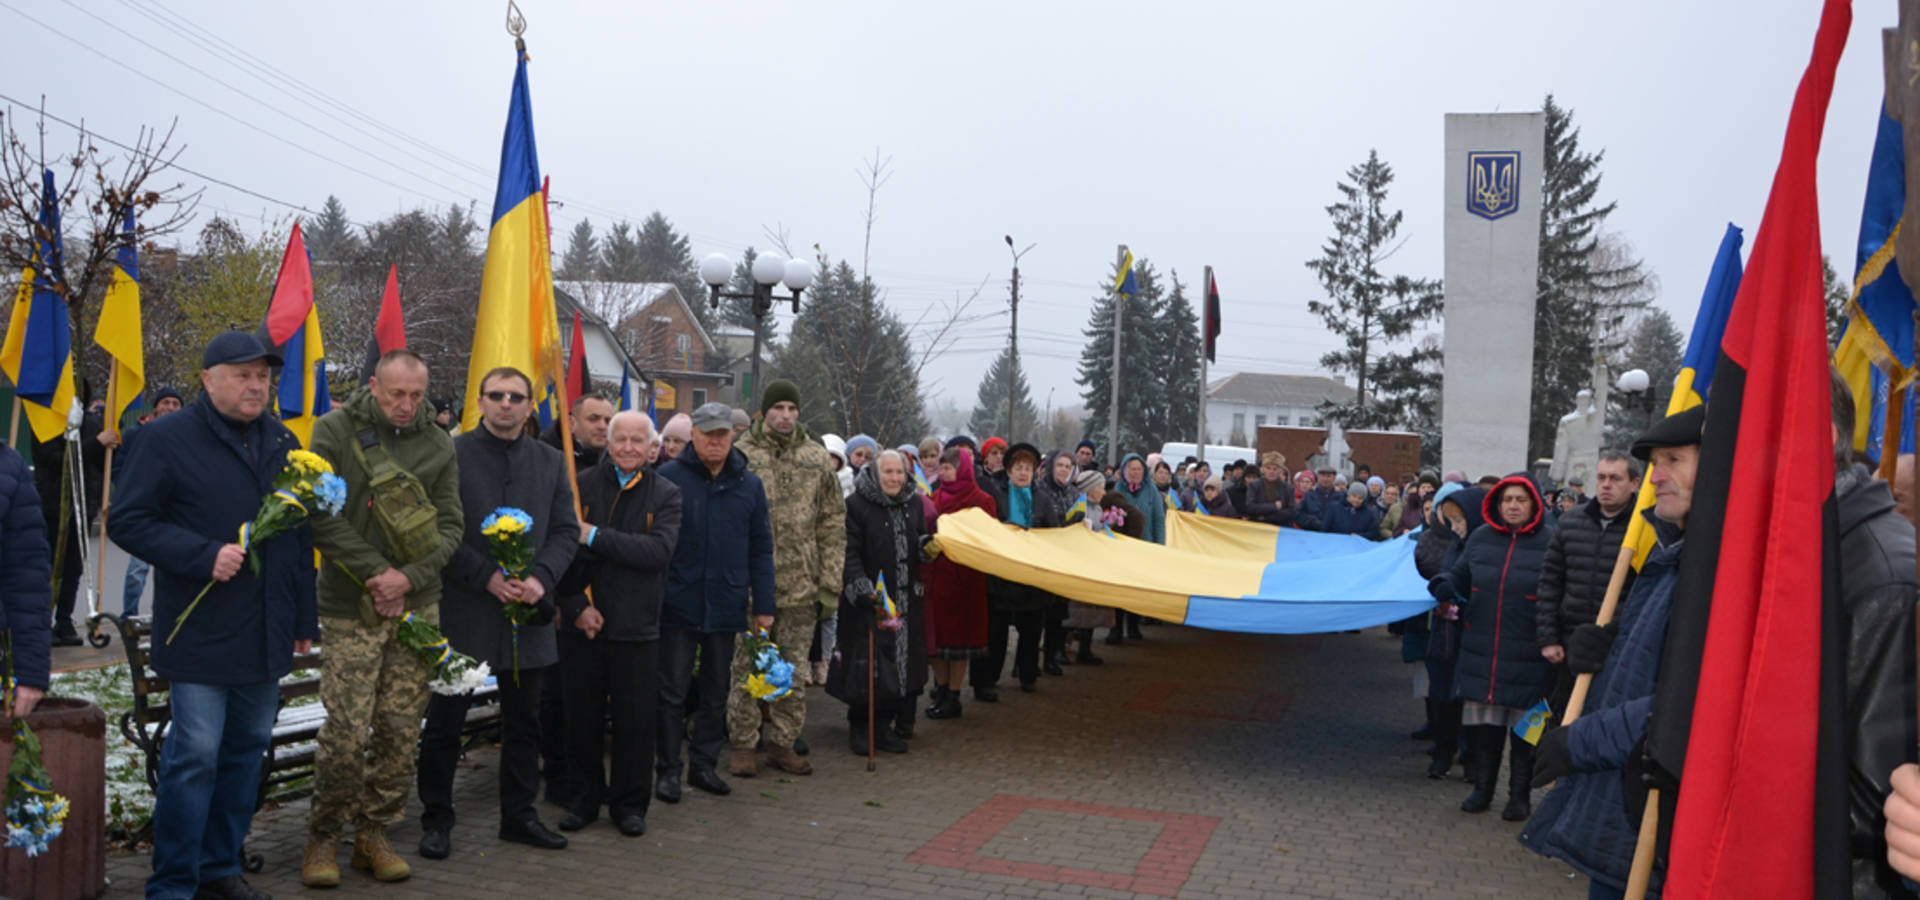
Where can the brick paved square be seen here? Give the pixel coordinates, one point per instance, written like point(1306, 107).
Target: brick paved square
point(1050, 837)
point(1210, 701)
point(1160, 869)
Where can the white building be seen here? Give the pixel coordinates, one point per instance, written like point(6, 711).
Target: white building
point(1239, 404)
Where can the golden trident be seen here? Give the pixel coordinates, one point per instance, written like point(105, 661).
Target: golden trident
point(517, 26)
point(1495, 192)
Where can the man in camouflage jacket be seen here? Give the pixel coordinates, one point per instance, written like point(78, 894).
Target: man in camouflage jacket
point(809, 554)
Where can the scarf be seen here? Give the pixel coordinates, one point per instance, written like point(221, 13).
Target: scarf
point(1020, 506)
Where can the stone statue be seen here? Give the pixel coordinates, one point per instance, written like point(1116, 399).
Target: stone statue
point(1576, 443)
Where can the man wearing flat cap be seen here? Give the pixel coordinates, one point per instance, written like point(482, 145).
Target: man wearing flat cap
point(195, 479)
point(1585, 820)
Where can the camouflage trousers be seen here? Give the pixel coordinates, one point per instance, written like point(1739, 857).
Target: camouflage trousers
point(793, 631)
point(375, 692)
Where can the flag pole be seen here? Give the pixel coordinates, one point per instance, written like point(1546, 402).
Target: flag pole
point(1890, 436)
point(111, 426)
point(1113, 401)
point(1608, 609)
point(870, 700)
point(562, 408)
point(13, 423)
point(1644, 848)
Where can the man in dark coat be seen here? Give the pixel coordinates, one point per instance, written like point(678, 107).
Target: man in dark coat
point(1318, 502)
point(588, 421)
point(1584, 820)
point(1579, 563)
point(26, 564)
point(724, 554)
point(610, 641)
point(500, 466)
point(195, 479)
point(1268, 498)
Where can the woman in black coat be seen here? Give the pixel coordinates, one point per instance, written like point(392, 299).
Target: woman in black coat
point(1454, 514)
point(1500, 673)
point(1053, 495)
point(884, 534)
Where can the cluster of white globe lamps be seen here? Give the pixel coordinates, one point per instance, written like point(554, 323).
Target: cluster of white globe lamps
point(768, 270)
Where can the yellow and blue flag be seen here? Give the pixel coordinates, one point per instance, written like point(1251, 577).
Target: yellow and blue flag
point(1079, 508)
point(37, 355)
point(887, 608)
point(920, 480)
point(1690, 387)
point(517, 324)
point(118, 331)
point(1124, 282)
point(1534, 724)
point(1875, 352)
point(293, 329)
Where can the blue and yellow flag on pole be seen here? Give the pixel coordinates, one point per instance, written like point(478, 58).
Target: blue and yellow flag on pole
point(1534, 724)
point(293, 328)
point(118, 331)
point(517, 324)
point(1123, 281)
point(1696, 370)
point(38, 353)
point(1875, 352)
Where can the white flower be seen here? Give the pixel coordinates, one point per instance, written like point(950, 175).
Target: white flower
point(456, 679)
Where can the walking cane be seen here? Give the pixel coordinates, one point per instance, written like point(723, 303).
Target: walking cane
point(870, 699)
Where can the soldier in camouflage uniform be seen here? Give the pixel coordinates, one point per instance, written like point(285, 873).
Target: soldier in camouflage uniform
point(809, 556)
point(382, 558)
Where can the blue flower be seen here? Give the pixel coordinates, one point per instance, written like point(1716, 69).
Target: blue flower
point(331, 491)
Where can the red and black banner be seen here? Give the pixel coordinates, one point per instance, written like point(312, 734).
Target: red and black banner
point(579, 382)
point(390, 330)
point(1212, 330)
point(1749, 710)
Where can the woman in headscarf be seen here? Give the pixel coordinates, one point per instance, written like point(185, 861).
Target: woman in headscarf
point(1135, 486)
point(1453, 514)
point(1303, 481)
point(922, 480)
point(674, 437)
point(1213, 499)
point(883, 547)
point(1053, 496)
point(1500, 673)
point(956, 595)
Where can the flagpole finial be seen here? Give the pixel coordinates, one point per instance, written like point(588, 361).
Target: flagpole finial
point(516, 26)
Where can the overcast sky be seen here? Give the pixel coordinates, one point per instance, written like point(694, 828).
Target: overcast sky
point(1198, 133)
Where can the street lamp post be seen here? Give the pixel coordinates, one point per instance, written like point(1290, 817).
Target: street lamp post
point(1636, 384)
point(768, 270)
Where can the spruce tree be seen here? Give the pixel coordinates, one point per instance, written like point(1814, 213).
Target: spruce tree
point(737, 310)
point(1583, 289)
point(851, 359)
point(1179, 364)
point(330, 235)
point(1837, 292)
point(1142, 390)
point(990, 403)
point(1368, 309)
point(1655, 347)
point(581, 261)
point(620, 255)
point(666, 257)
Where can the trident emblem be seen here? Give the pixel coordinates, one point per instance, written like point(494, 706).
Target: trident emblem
point(1493, 181)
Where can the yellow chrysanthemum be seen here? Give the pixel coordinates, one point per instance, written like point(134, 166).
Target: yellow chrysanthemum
point(758, 688)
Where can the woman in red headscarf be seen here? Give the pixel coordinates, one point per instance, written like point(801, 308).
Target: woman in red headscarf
point(956, 595)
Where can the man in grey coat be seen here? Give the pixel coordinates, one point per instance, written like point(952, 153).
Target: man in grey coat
point(500, 466)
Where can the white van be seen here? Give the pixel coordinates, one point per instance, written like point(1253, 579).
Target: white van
point(1217, 454)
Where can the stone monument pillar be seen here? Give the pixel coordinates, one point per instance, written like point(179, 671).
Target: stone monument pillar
point(1492, 257)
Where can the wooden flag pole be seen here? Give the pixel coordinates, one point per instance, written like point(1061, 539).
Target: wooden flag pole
point(1644, 848)
point(871, 737)
point(13, 423)
point(1609, 607)
point(111, 426)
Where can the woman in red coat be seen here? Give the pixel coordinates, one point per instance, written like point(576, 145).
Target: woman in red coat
point(956, 595)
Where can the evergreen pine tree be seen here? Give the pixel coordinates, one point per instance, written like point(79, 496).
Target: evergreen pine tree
point(620, 255)
point(330, 236)
point(1179, 365)
point(737, 310)
point(851, 359)
point(1141, 389)
point(1838, 292)
point(666, 257)
point(990, 404)
point(1368, 309)
point(1655, 347)
point(581, 261)
point(1582, 290)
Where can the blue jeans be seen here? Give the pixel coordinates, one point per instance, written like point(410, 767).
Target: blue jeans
point(209, 783)
point(137, 570)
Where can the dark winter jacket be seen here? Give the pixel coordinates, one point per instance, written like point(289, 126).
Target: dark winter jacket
point(1146, 501)
point(1235, 490)
point(1584, 820)
point(528, 475)
point(26, 567)
point(723, 563)
point(1269, 502)
point(353, 538)
point(1222, 507)
point(1362, 520)
point(196, 477)
point(1431, 547)
point(1579, 563)
point(584, 457)
point(1877, 592)
point(48, 457)
point(1050, 499)
point(1315, 506)
point(1498, 575)
point(634, 528)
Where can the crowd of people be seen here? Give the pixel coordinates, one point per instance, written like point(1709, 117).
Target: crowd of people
point(663, 557)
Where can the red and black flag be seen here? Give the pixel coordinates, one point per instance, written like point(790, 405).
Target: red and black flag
point(390, 330)
point(1212, 330)
point(578, 381)
point(1749, 709)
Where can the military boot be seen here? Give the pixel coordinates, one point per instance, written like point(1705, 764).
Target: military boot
point(319, 866)
point(372, 853)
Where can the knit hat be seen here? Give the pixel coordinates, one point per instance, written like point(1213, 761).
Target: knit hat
point(1427, 476)
point(1376, 482)
point(861, 440)
point(778, 390)
point(740, 418)
point(165, 393)
point(680, 426)
point(1213, 481)
point(991, 443)
point(1357, 489)
point(1087, 444)
point(1086, 479)
point(836, 446)
point(961, 440)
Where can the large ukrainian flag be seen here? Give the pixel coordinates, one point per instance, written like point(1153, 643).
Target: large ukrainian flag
point(293, 327)
point(517, 325)
point(37, 355)
point(118, 331)
point(1875, 353)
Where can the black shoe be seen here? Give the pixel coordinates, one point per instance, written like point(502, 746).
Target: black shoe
point(232, 887)
point(1423, 733)
point(435, 844)
point(857, 739)
point(903, 728)
point(67, 637)
point(1086, 658)
point(889, 742)
point(574, 821)
point(799, 747)
point(667, 788)
point(987, 694)
point(1439, 768)
point(1062, 658)
point(532, 834)
point(946, 704)
point(1027, 687)
point(1477, 802)
point(1052, 667)
point(1133, 634)
point(631, 824)
point(1115, 637)
point(1519, 809)
point(705, 780)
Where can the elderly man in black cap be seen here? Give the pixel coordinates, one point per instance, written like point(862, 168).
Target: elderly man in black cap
point(1584, 821)
point(195, 479)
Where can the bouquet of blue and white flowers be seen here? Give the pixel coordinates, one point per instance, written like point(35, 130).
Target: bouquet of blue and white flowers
point(35, 814)
point(771, 677)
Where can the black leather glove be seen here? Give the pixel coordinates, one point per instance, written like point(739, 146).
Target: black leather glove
point(1588, 645)
point(1551, 758)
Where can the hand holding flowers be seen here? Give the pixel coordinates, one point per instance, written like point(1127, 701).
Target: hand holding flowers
point(509, 534)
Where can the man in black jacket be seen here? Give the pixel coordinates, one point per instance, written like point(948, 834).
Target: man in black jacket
point(1579, 563)
point(500, 466)
point(588, 420)
point(610, 627)
point(1269, 498)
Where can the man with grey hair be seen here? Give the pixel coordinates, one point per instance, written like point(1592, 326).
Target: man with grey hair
point(609, 622)
point(1579, 563)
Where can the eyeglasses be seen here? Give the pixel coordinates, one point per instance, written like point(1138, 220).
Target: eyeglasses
point(506, 396)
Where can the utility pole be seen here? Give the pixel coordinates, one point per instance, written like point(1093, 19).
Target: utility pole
point(1013, 338)
point(1113, 402)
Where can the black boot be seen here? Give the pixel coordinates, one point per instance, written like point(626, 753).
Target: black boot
point(1425, 731)
point(946, 704)
point(1085, 656)
point(1485, 770)
point(1519, 781)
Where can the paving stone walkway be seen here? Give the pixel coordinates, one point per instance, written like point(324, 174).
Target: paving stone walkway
point(1197, 764)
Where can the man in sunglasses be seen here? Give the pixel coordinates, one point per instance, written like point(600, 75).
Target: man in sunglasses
point(500, 466)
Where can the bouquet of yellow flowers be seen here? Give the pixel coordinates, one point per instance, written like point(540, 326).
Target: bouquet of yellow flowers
point(771, 677)
point(307, 483)
point(509, 534)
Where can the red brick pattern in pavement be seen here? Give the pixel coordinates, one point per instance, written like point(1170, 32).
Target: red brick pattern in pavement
point(1161, 871)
